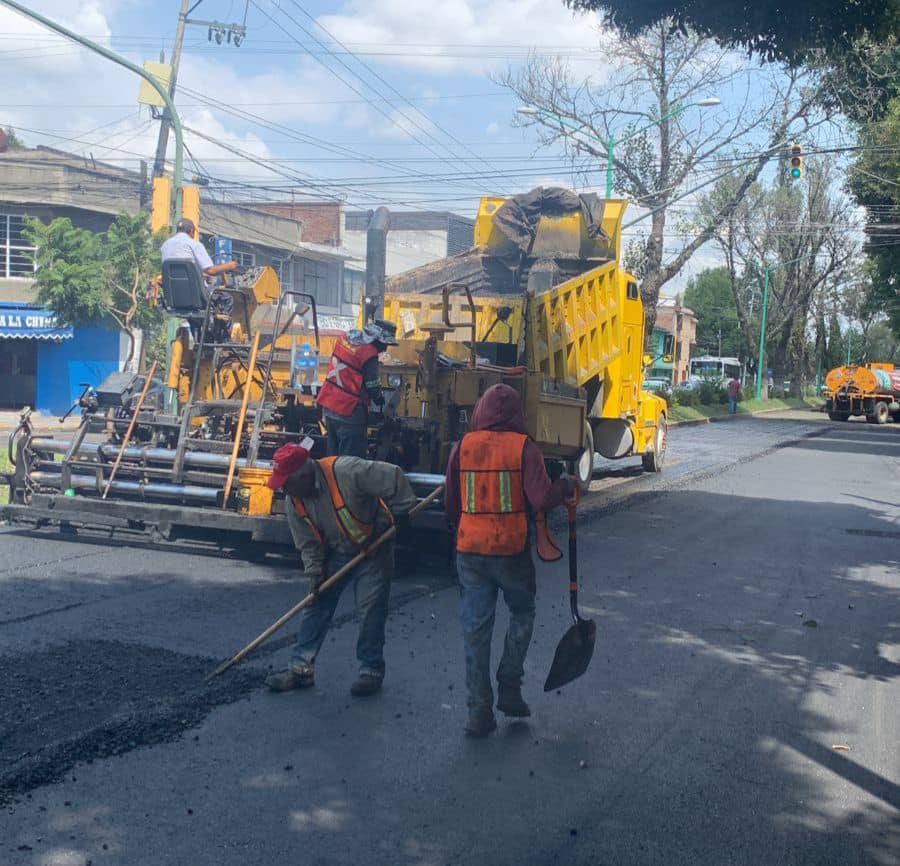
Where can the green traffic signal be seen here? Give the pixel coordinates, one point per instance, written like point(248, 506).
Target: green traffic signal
point(795, 173)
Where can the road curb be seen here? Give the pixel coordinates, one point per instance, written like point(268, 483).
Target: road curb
point(716, 419)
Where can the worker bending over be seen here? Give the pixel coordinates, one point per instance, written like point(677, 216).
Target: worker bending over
point(351, 383)
point(495, 477)
point(335, 507)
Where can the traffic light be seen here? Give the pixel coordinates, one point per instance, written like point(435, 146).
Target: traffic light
point(796, 161)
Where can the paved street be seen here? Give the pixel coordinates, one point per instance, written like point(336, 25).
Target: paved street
point(748, 609)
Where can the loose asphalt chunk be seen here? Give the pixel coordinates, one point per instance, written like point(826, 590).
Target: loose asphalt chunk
point(90, 699)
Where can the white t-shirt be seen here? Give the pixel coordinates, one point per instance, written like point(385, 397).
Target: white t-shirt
point(183, 246)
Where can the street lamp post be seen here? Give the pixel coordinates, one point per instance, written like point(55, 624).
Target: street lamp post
point(137, 70)
point(611, 142)
point(765, 306)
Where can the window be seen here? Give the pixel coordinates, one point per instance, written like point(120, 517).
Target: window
point(320, 279)
point(15, 252)
point(631, 291)
point(282, 267)
point(245, 260)
point(668, 344)
point(354, 286)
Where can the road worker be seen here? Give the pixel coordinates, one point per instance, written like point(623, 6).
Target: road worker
point(351, 383)
point(495, 478)
point(335, 506)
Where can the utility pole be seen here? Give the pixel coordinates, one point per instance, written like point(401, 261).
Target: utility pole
point(163, 142)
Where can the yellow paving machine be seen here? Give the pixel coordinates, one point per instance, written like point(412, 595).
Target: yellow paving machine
point(539, 302)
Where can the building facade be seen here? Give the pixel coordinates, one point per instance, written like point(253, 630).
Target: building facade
point(674, 334)
point(415, 237)
point(46, 365)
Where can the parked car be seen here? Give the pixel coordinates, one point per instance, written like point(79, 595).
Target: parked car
point(659, 385)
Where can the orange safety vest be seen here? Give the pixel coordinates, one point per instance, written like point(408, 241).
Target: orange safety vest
point(493, 520)
point(343, 388)
point(353, 529)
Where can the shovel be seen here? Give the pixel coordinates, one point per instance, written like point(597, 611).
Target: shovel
point(573, 654)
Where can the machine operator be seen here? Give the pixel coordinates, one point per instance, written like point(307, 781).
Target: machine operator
point(183, 245)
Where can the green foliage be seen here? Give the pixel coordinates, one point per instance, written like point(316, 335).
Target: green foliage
point(684, 397)
point(13, 142)
point(710, 392)
point(86, 278)
point(709, 295)
point(873, 179)
point(768, 27)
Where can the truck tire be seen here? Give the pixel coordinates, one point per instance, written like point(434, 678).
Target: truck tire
point(584, 464)
point(839, 416)
point(654, 458)
point(882, 414)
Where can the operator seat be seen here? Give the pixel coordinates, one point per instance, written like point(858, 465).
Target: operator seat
point(184, 290)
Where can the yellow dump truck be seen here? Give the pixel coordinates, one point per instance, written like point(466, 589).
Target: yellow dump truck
point(540, 302)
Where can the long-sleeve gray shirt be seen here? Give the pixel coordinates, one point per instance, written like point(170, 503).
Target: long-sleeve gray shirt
point(362, 483)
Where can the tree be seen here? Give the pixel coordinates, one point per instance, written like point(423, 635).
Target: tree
point(660, 154)
point(769, 27)
point(709, 295)
point(10, 139)
point(803, 234)
point(87, 278)
point(874, 179)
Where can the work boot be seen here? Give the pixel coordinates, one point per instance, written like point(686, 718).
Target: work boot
point(480, 724)
point(298, 676)
point(366, 684)
point(511, 703)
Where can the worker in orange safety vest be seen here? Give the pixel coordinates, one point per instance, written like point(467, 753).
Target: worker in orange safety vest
point(334, 507)
point(496, 480)
point(351, 383)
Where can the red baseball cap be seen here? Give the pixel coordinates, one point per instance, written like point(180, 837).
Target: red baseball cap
point(285, 462)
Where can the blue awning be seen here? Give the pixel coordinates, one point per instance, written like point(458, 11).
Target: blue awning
point(26, 322)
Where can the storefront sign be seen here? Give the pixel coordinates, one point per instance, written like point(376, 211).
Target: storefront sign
point(25, 322)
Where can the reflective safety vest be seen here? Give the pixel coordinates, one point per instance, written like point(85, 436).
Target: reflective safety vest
point(493, 520)
point(343, 388)
point(352, 528)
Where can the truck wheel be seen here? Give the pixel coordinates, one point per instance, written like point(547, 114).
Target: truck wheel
point(881, 413)
point(584, 465)
point(839, 416)
point(654, 458)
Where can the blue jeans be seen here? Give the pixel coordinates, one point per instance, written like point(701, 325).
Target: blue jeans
point(732, 405)
point(372, 588)
point(481, 578)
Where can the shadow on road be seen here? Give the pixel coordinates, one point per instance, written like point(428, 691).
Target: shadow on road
point(739, 637)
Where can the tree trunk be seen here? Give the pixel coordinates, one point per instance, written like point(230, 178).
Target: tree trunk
point(131, 344)
point(650, 285)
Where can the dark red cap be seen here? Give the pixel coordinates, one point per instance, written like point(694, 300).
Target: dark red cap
point(286, 461)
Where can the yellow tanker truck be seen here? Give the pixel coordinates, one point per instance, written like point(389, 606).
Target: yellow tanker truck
point(872, 390)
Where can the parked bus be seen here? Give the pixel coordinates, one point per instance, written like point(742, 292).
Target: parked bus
point(712, 367)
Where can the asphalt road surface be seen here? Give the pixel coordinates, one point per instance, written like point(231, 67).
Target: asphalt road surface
point(741, 706)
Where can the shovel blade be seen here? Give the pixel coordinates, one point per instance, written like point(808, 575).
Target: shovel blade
point(573, 654)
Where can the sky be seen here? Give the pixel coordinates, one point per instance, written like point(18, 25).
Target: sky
point(373, 102)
